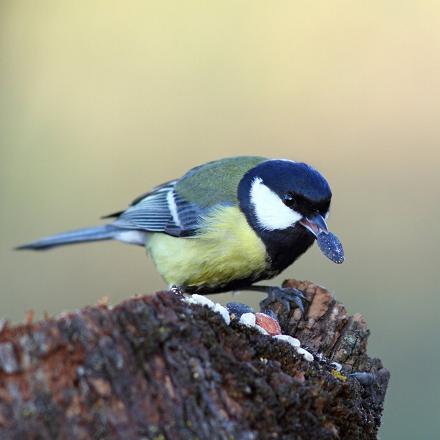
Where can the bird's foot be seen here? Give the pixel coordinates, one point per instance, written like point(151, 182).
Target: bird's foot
point(284, 295)
point(287, 296)
point(177, 290)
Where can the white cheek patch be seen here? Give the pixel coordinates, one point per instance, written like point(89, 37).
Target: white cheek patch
point(270, 210)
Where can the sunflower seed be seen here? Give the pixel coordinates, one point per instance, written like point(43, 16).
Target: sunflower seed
point(330, 246)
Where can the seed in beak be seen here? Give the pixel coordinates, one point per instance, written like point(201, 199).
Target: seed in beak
point(330, 246)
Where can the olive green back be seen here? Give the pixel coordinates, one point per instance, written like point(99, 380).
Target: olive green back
point(217, 181)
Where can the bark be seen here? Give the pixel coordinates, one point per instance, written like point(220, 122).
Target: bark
point(155, 367)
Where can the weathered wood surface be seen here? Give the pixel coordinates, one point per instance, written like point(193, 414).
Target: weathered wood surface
point(155, 367)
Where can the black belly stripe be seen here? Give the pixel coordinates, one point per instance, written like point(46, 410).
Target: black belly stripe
point(286, 246)
point(283, 248)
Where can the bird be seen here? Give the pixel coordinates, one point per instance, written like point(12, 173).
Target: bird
point(223, 226)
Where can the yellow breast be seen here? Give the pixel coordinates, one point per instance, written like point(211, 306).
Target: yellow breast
point(226, 249)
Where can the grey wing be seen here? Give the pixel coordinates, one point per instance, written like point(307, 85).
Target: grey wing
point(161, 210)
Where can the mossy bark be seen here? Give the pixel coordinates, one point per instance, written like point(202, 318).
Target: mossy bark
point(155, 367)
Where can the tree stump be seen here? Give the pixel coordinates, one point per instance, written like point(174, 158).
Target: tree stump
point(156, 367)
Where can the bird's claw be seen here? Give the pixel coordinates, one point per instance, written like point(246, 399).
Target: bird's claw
point(286, 296)
point(177, 290)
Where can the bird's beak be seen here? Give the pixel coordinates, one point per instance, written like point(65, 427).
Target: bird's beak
point(315, 224)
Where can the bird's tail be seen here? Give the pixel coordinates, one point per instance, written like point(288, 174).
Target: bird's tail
point(97, 233)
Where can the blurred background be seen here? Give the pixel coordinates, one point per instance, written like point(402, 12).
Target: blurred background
point(102, 100)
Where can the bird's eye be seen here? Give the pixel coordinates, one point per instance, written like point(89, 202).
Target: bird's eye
point(289, 199)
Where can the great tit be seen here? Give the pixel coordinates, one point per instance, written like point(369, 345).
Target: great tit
point(224, 225)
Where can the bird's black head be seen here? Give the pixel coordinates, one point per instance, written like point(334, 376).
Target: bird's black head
point(286, 203)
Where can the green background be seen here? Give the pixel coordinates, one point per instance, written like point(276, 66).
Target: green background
point(102, 100)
